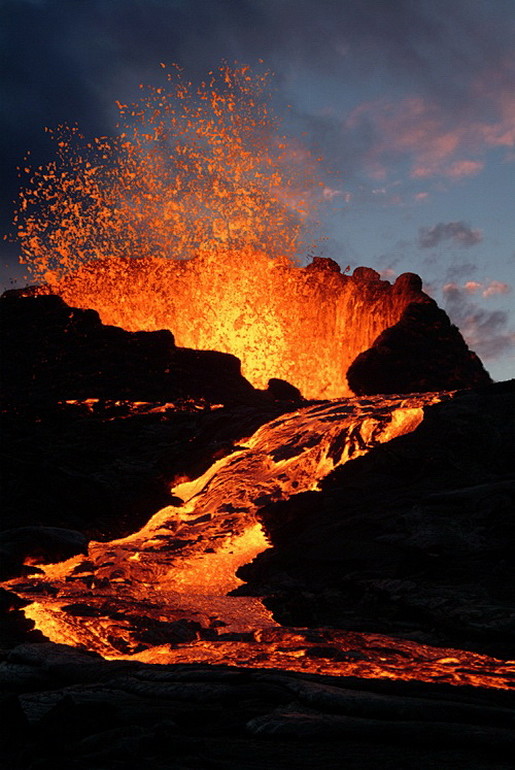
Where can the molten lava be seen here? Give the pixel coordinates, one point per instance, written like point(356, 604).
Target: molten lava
point(163, 594)
point(192, 220)
point(303, 325)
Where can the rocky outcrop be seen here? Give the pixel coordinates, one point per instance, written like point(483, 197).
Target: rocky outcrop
point(52, 352)
point(105, 468)
point(422, 352)
point(35, 545)
point(314, 327)
point(303, 325)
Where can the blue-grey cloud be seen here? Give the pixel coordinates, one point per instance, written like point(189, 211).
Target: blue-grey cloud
point(459, 233)
point(486, 331)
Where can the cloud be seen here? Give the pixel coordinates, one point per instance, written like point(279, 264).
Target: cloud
point(329, 193)
point(387, 274)
point(471, 287)
point(496, 287)
point(475, 287)
point(460, 271)
point(458, 232)
point(457, 170)
point(486, 332)
point(434, 139)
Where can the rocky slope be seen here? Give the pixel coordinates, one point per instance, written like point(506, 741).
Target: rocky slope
point(63, 708)
point(416, 535)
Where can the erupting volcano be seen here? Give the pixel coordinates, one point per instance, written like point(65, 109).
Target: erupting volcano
point(339, 506)
point(192, 221)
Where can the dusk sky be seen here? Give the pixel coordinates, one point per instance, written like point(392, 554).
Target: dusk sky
point(410, 103)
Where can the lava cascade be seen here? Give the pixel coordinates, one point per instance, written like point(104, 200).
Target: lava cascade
point(303, 325)
point(173, 579)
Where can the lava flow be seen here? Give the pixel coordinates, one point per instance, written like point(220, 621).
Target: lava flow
point(163, 593)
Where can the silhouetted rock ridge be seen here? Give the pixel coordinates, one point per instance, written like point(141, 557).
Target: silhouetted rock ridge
point(422, 352)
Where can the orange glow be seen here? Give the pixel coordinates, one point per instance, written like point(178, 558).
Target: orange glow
point(371, 655)
point(304, 325)
point(192, 220)
point(192, 170)
point(182, 564)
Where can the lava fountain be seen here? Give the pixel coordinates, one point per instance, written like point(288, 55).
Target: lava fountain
point(192, 220)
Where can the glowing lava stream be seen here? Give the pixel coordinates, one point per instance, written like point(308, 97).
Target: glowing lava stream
point(125, 598)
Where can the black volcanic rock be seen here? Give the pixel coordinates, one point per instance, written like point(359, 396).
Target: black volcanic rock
point(422, 352)
point(281, 390)
point(44, 545)
point(323, 263)
point(52, 352)
point(415, 536)
point(366, 275)
point(66, 708)
point(105, 468)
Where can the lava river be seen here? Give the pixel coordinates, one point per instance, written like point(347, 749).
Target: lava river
point(163, 594)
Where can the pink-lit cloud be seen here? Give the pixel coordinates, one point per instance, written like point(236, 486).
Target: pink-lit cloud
point(463, 168)
point(329, 193)
point(496, 287)
point(437, 141)
point(486, 331)
point(486, 290)
point(472, 287)
point(387, 274)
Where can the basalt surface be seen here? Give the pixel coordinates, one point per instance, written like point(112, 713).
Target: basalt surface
point(423, 351)
point(65, 708)
point(52, 353)
point(414, 536)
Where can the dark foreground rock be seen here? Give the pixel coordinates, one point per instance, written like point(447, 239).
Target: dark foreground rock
point(52, 352)
point(422, 352)
point(414, 538)
point(104, 469)
point(33, 545)
point(63, 708)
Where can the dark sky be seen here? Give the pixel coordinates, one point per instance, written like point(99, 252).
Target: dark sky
point(412, 104)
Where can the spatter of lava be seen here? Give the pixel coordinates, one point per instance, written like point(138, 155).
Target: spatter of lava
point(191, 220)
point(192, 170)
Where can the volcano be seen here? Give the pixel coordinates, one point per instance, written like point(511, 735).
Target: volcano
point(256, 515)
